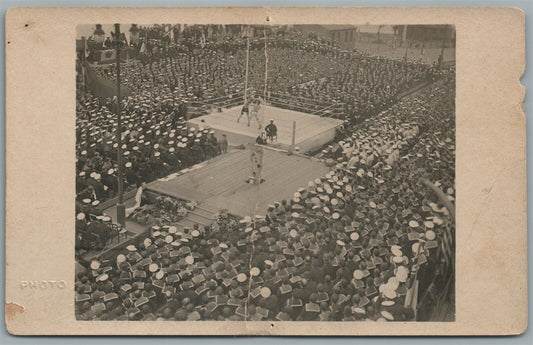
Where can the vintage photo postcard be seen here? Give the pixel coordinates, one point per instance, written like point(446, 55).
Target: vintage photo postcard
point(265, 171)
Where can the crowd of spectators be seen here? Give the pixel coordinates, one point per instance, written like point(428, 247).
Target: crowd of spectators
point(305, 74)
point(302, 73)
point(155, 142)
point(348, 246)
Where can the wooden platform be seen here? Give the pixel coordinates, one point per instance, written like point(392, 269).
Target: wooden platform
point(312, 131)
point(221, 182)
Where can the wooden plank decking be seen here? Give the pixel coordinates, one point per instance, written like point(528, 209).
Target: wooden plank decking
point(221, 183)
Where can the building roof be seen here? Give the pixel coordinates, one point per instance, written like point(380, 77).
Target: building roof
point(338, 27)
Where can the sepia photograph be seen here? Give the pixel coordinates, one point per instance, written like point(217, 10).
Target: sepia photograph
point(265, 172)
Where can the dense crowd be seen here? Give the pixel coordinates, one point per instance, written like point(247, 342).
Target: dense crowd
point(348, 246)
point(155, 142)
point(301, 73)
point(314, 76)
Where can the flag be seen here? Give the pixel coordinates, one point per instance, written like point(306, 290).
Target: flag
point(124, 39)
point(447, 248)
point(411, 299)
point(107, 56)
point(102, 87)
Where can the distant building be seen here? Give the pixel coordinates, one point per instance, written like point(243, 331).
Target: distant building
point(347, 36)
point(342, 35)
point(429, 33)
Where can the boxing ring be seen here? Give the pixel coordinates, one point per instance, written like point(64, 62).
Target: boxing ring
point(310, 131)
